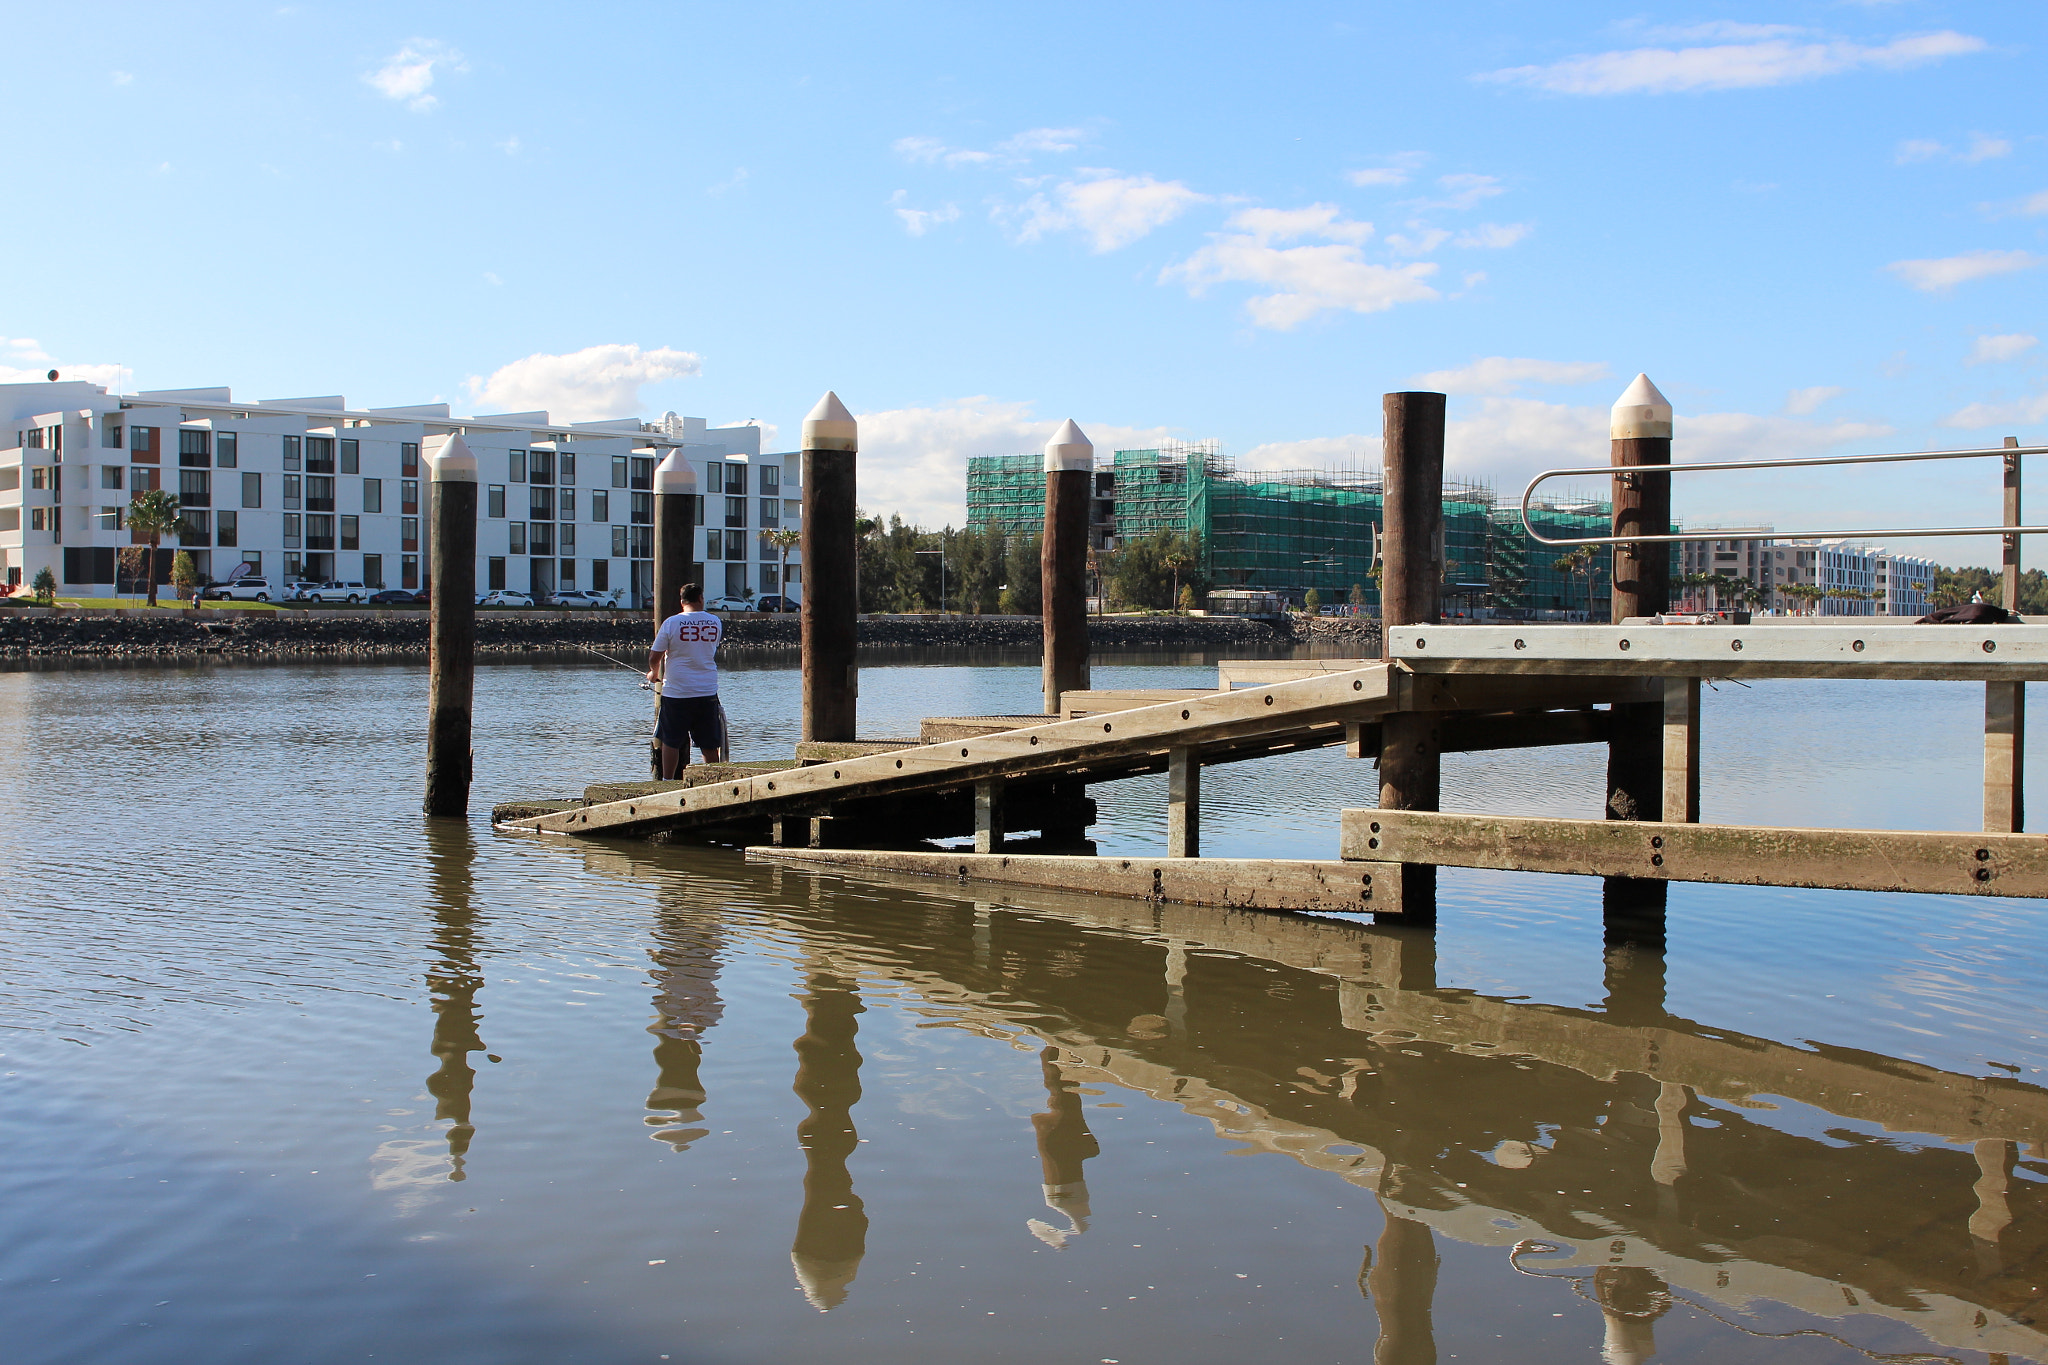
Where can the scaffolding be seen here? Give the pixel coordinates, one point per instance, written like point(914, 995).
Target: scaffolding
point(1006, 493)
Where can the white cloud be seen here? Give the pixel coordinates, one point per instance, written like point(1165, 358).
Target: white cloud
point(738, 178)
point(1983, 147)
point(1315, 452)
point(2033, 206)
point(1990, 350)
point(1287, 225)
point(913, 461)
point(1034, 140)
point(1493, 236)
point(1731, 65)
point(408, 74)
point(590, 385)
point(1111, 210)
point(1722, 29)
point(1806, 402)
point(1466, 191)
point(1425, 240)
point(1946, 272)
point(23, 348)
point(917, 222)
point(510, 146)
point(111, 376)
point(123, 77)
point(1496, 374)
point(491, 278)
point(2021, 412)
point(1304, 280)
point(1918, 149)
point(1399, 168)
point(932, 152)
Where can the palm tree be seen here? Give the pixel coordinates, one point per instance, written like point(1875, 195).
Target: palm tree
point(784, 540)
point(153, 515)
point(864, 529)
point(1579, 561)
point(1177, 560)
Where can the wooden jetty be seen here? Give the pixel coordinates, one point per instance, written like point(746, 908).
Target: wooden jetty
point(1633, 685)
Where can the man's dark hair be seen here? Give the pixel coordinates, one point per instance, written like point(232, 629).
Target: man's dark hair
point(693, 593)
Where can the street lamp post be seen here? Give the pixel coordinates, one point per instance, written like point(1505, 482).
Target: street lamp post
point(942, 577)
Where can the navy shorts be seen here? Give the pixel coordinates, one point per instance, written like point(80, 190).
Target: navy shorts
point(687, 720)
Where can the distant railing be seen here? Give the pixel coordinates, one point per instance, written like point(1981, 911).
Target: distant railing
point(1892, 532)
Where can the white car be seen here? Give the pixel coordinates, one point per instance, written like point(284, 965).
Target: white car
point(334, 590)
point(583, 597)
point(505, 597)
point(730, 604)
point(243, 590)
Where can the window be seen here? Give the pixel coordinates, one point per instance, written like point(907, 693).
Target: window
point(226, 528)
point(566, 469)
point(351, 457)
point(291, 530)
point(351, 533)
point(714, 544)
point(46, 477)
point(57, 437)
point(600, 505)
point(109, 519)
point(408, 533)
point(409, 570)
point(541, 466)
point(43, 518)
point(494, 572)
point(143, 480)
point(225, 446)
point(643, 542)
point(567, 577)
point(515, 538)
point(319, 454)
point(110, 435)
point(142, 447)
point(540, 504)
point(319, 533)
point(643, 509)
point(643, 472)
point(618, 471)
point(517, 461)
point(93, 564)
point(566, 501)
point(735, 511)
point(409, 459)
point(110, 477)
point(193, 449)
point(619, 542)
point(768, 578)
point(291, 452)
point(31, 439)
point(373, 495)
point(291, 490)
point(540, 538)
point(409, 496)
point(735, 544)
point(252, 490)
point(735, 478)
point(568, 538)
point(600, 575)
point(494, 500)
point(373, 570)
point(195, 488)
point(771, 511)
point(771, 481)
point(195, 528)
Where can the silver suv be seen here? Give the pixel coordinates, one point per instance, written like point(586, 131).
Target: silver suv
point(243, 590)
point(333, 591)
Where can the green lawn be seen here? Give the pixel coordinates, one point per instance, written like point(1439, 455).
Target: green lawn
point(164, 599)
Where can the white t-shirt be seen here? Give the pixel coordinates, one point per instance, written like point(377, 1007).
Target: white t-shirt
point(690, 640)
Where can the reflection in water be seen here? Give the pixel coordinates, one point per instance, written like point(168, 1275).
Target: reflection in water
point(1064, 1143)
point(686, 1004)
point(832, 1229)
point(1402, 1286)
point(454, 981)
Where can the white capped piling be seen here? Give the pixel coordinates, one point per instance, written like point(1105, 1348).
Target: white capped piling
point(1411, 585)
point(451, 624)
point(675, 529)
point(2005, 704)
point(1063, 563)
point(829, 618)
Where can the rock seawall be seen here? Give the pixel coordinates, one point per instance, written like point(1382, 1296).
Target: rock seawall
point(286, 634)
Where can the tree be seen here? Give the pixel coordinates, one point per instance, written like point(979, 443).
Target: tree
point(1578, 560)
point(1358, 596)
point(784, 539)
point(1023, 583)
point(1311, 600)
point(1176, 558)
point(184, 573)
point(1147, 571)
point(153, 515)
point(44, 586)
point(1188, 601)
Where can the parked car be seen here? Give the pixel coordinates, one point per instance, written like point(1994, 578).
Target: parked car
point(729, 604)
point(775, 602)
point(335, 590)
point(395, 597)
point(583, 597)
point(243, 590)
point(505, 597)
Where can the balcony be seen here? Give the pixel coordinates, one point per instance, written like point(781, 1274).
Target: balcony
point(319, 542)
point(318, 504)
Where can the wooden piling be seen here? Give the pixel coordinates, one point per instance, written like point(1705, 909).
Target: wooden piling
point(1411, 586)
point(988, 815)
point(1184, 802)
point(451, 625)
point(829, 620)
point(675, 518)
point(2005, 703)
point(1063, 563)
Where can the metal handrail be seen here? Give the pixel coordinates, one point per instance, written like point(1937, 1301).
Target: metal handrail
point(1898, 533)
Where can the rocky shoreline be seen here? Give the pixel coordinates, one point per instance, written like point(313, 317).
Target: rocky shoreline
point(289, 634)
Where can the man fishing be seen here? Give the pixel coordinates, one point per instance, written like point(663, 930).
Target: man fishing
point(682, 662)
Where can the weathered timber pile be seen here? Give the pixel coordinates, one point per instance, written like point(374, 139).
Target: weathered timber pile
point(290, 634)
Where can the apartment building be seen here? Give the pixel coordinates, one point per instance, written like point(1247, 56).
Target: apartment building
point(309, 488)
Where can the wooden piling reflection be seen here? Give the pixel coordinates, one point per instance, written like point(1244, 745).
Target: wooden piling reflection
point(832, 1228)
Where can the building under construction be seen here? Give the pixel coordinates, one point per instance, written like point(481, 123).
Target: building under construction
point(1289, 531)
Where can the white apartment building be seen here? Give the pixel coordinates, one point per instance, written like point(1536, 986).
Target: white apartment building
point(309, 488)
point(1860, 580)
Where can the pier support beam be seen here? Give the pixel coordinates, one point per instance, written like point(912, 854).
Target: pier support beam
point(1063, 563)
point(675, 531)
point(2005, 703)
point(1184, 802)
point(451, 626)
point(1682, 750)
point(1411, 582)
point(829, 623)
point(988, 815)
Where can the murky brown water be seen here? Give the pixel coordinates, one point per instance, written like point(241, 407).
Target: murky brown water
point(291, 1077)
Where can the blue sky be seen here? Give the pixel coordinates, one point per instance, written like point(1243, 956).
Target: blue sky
point(1818, 227)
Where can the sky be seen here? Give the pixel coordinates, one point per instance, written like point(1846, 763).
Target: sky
point(1821, 228)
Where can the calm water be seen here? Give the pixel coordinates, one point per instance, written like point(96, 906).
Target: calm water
point(291, 1077)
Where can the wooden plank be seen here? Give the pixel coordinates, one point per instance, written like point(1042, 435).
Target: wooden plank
point(1264, 672)
point(1091, 703)
point(938, 729)
point(1240, 883)
point(1841, 859)
point(1044, 749)
point(1878, 649)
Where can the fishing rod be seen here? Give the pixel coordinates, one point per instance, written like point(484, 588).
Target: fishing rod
point(645, 686)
